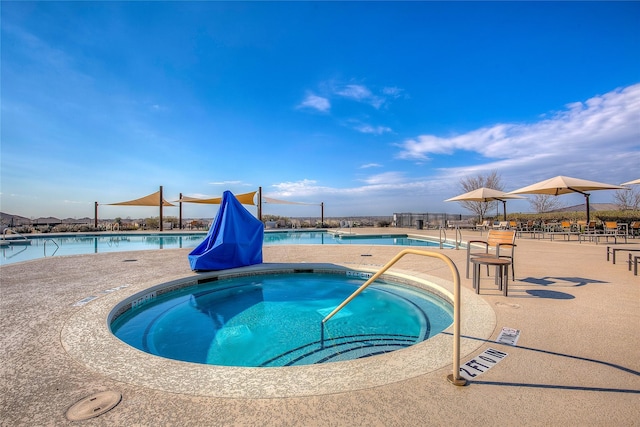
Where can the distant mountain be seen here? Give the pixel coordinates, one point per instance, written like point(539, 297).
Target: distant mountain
point(10, 219)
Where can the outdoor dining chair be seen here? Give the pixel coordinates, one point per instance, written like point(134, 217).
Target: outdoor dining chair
point(497, 240)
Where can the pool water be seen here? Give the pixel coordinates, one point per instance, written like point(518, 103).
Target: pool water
point(60, 245)
point(275, 320)
point(324, 238)
point(69, 244)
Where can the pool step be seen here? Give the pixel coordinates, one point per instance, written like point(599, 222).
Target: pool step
point(342, 348)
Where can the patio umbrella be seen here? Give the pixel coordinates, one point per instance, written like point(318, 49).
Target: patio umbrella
point(635, 181)
point(565, 185)
point(484, 194)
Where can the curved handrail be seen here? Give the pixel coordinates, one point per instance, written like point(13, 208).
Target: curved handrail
point(45, 247)
point(4, 234)
point(458, 237)
point(442, 230)
point(455, 377)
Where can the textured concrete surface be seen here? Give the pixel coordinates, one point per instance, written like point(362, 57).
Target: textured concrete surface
point(577, 361)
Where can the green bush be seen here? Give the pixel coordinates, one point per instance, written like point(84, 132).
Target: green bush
point(619, 216)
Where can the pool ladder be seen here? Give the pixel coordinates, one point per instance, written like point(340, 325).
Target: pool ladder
point(22, 241)
point(458, 239)
point(45, 247)
point(454, 377)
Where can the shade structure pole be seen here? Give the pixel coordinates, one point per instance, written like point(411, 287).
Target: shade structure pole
point(586, 197)
point(161, 208)
point(180, 218)
point(321, 214)
point(95, 217)
point(260, 203)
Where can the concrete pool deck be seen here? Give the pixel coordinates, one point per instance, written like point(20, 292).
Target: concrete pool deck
point(577, 361)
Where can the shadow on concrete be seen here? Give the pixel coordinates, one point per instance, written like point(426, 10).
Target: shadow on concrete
point(544, 293)
point(553, 353)
point(550, 280)
point(557, 387)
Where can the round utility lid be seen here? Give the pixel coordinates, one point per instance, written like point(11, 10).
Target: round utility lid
point(94, 405)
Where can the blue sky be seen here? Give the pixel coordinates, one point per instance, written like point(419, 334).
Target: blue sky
point(371, 108)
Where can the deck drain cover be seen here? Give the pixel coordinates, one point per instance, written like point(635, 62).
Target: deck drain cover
point(94, 405)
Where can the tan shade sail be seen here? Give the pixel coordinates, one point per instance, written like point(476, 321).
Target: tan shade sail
point(483, 194)
point(245, 199)
point(284, 202)
point(150, 200)
point(566, 185)
point(635, 181)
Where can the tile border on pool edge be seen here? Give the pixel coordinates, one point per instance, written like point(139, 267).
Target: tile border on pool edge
point(87, 338)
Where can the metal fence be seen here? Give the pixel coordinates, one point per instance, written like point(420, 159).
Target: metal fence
point(427, 220)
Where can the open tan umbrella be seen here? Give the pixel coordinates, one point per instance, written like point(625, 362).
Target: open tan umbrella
point(484, 194)
point(635, 181)
point(565, 185)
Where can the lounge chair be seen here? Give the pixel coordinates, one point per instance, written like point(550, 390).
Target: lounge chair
point(496, 239)
point(503, 225)
point(484, 226)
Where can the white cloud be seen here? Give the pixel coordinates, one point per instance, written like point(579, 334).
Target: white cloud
point(315, 102)
point(371, 165)
point(595, 127)
point(394, 92)
point(355, 92)
point(375, 130)
point(360, 93)
point(298, 188)
point(226, 183)
point(386, 178)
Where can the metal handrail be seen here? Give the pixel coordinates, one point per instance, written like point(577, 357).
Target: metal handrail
point(442, 230)
point(4, 234)
point(455, 377)
point(45, 247)
point(458, 237)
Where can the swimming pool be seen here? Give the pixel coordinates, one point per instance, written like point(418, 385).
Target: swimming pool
point(43, 246)
point(275, 320)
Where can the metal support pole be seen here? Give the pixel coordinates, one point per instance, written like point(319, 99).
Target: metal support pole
point(161, 219)
point(180, 219)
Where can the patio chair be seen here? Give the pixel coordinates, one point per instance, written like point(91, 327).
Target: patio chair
point(611, 229)
point(496, 239)
point(484, 226)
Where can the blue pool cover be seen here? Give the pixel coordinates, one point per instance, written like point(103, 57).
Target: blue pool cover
point(234, 240)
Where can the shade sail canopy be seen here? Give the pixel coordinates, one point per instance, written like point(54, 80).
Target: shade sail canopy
point(635, 181)
point(150, 200)
point(566, 185)
point(245, 199)
point(285, 202)
point(484, 194)
point(234, 240)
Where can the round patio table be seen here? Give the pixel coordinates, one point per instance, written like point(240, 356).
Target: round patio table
point(502, 271)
